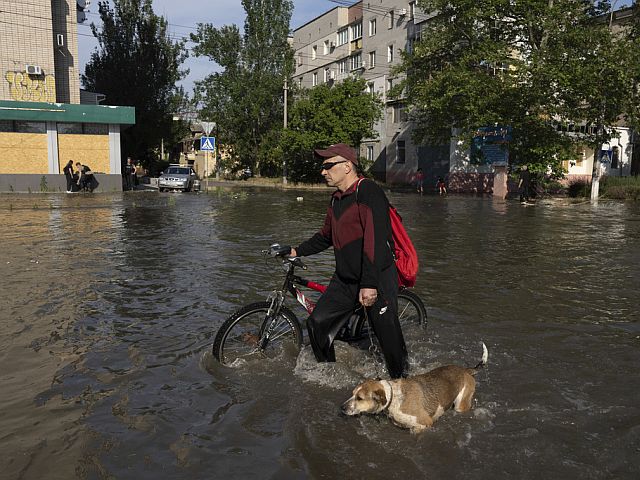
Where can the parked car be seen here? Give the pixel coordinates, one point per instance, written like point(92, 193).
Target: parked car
point(178, 177)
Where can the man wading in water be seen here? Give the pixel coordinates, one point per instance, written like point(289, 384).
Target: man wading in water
point(357, 226)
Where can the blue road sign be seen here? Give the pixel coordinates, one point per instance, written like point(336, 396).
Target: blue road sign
point(208, 143)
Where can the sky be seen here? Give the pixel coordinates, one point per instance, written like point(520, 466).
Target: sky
point(183, 17)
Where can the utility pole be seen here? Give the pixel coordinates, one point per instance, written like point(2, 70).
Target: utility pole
point(597, 150)
point(284, 160)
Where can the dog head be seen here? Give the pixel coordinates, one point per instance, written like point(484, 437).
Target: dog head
point(371, 396)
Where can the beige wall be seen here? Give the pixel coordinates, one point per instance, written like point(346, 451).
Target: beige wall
point(24, 153)
point(92, 150)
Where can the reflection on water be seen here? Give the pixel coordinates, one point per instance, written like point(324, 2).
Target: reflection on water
point(110, 304)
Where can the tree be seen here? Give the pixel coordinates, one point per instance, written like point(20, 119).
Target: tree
point(138, 64)
point(245, 99)
point(325, 115)
point(528, 64)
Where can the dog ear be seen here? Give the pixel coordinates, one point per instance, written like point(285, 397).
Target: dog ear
point(379, 396)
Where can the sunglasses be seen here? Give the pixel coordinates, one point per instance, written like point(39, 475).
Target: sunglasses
point(330, 165)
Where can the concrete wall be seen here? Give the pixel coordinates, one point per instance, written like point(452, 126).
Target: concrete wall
point(48, 183)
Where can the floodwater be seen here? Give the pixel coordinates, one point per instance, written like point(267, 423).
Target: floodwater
point(110, 303)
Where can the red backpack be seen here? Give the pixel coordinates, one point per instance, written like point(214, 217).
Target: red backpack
point(404, 252)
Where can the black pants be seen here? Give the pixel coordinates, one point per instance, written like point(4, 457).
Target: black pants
point(524, 193)
point(336, 306)
point(70, 182)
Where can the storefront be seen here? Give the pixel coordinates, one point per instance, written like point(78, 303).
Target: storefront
point(38, 139)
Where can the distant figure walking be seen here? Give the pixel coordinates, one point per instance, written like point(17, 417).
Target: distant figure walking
point(441, 186)
point(524, 183)
point(420, 181)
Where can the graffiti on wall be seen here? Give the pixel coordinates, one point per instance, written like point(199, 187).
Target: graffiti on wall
point(23, 87)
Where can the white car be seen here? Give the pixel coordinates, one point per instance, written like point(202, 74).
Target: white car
point(176, 177)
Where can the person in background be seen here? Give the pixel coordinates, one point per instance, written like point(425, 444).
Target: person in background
point(129, 174)
point(68, 175)
point(441, 186)
point(86, 181)
point(420, 181)
point(523, 184)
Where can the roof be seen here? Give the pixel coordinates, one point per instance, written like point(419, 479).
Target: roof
point(66, 112)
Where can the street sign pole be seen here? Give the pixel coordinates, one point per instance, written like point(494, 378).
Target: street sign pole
point(207, 127)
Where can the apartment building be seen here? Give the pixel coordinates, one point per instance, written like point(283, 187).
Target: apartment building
point(43, 122)
point(367, 39)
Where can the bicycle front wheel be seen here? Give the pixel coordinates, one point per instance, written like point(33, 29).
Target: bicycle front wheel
point(241, 336)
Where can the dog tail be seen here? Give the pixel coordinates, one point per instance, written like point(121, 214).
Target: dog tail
point(483, 362)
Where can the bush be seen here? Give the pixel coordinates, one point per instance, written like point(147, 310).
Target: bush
point(620, 188)
point(579, 188)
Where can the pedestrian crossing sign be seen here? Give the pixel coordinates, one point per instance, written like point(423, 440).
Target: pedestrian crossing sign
point(208, 143)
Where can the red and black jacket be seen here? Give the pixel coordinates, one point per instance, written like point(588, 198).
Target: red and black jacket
point(359, 231)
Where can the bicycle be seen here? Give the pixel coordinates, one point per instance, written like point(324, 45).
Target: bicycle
point(269, 327)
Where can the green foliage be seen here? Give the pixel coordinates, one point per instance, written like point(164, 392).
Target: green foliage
point(621, 188)
point(245, 98)
point(138, 64)
point(325, 115)
point(523, 63)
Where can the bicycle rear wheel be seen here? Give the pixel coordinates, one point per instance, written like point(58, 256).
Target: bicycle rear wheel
point(411, 311)
point(240, 336)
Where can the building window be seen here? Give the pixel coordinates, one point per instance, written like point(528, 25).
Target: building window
point(370, 88)
point(95, 128)
point(372, 59)
point(342, 66)
point(300, 82)
point(342, 37)
point(314, 52)
point(356, 61)
point(389, 84)
point(391, 18)
point(327, 75)
point(390, 53)
point(615, 158)
point(399, 113)
point(314, 79)
point(372, 27)
point(370, 153)
point(356, 31)
point(412, 10)
point(32, 127)
point(401, 151)
point(326, 47)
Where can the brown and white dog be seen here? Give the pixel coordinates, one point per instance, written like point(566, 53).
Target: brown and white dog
point(417, 402)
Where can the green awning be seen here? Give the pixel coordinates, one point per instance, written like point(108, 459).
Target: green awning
point(66, 112)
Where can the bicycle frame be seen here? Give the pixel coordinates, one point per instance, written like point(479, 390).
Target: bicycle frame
point(290, 285)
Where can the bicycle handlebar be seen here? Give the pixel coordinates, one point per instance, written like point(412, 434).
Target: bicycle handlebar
point(277, 250)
